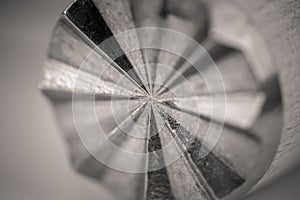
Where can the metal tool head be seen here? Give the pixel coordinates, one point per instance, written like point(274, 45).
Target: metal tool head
point(164, 99)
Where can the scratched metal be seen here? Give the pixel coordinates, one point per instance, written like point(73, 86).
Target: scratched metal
point(127, 84)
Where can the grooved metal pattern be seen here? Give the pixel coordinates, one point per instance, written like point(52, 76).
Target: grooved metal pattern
point(138, 115)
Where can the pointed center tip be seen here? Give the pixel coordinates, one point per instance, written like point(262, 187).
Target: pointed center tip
point(151, 99)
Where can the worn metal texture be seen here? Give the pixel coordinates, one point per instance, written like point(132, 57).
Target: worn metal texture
point(154, 102)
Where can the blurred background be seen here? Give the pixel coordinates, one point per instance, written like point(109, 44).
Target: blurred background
point(33, 157)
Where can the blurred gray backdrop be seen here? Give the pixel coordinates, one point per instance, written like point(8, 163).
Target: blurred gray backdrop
point(33, 157)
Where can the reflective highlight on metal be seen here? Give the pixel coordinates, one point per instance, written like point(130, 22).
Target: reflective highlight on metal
point(188, 110)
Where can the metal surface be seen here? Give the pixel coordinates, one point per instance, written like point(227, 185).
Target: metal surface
point(137, 94)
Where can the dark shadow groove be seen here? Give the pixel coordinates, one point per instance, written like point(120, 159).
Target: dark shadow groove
point(158, 181)
point(219, 175)
point(85, 15)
